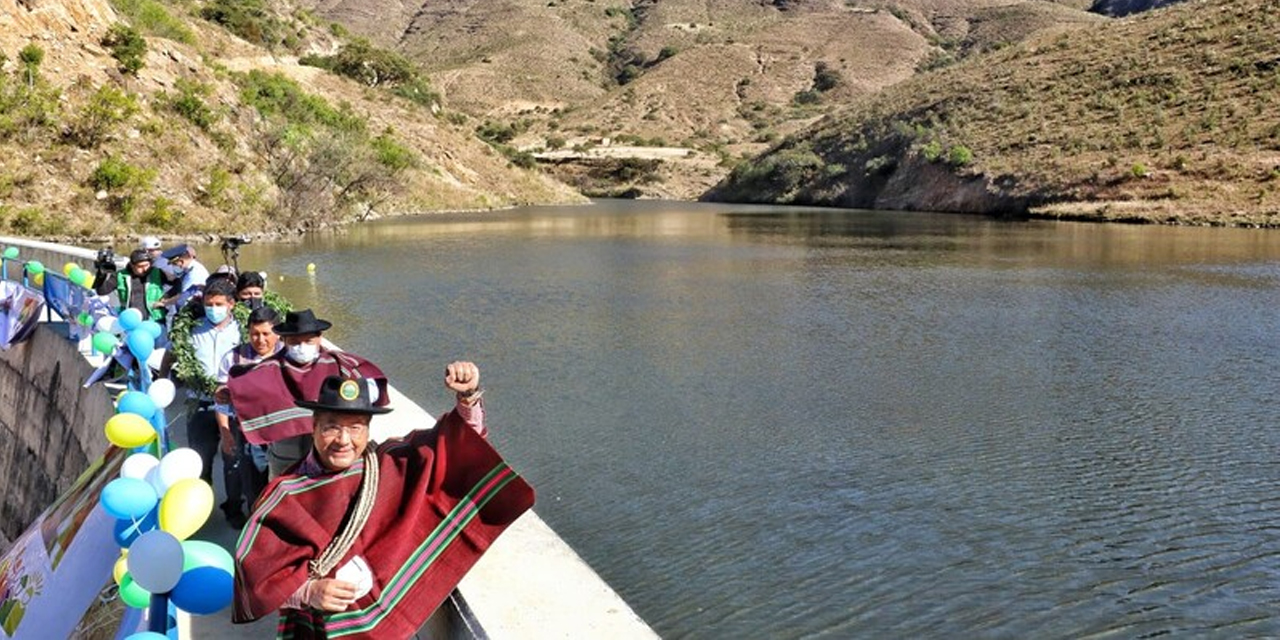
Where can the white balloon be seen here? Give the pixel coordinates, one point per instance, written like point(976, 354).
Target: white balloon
point(115, 326)
point(103, 323)
point(138, 465)
point(180, 464)
point(161, 392)
point(155, 561)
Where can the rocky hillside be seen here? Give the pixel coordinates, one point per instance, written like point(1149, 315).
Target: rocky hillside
point(143, 115)
point(726, 78)
point(1170, 116)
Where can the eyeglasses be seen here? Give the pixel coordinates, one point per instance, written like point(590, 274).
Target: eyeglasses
point(335, 430)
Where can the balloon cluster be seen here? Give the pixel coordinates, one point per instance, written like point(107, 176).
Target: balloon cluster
point(139, 335)
point(36, 271)
point(77, 274)
point(158, 503)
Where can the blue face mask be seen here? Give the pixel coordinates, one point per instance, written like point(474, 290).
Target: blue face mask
point(215, 314)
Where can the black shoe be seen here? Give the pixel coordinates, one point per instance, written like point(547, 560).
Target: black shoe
point(236, 519)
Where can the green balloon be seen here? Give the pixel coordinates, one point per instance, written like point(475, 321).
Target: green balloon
point(133, 594)
point(34, 267)
point(104, 342)
point(84, 319)
point(198, 553)
point(11, 253)
point(78, 276)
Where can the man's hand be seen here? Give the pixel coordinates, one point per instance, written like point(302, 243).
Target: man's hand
point(330, 594)
point(462, 377)
point(228, 442)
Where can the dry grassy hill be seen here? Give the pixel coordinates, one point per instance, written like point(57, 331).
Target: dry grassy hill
point(726, 77)
point(203, 131)
point(1170, 116)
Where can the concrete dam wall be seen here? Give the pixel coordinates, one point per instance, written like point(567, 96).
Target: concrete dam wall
point(50, 426)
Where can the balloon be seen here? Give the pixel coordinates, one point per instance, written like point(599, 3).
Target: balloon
point(136, 402)
point(147, 635)
point(130, 319)
point(133, 594)
point(88, 280)
point(153, 479)
point(138, 465)
point(152, 327)
point(78, 276)
point(35, 268)
point(121, 566)
point(140, 343)
point(155, 561)
point(161, 392)
point(129, 430)
point(115, 326)
point(104, 343)
point(199, 553)
point(84, 319)
point(103, 324)
point(11, 253)
point(185, 506)
point(128, 498)
point(68, 268)
point(38, 279)
point(180, 464)
point(126, 531)
point(203, 590)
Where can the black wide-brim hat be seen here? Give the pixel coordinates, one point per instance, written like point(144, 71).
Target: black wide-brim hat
point(344, 395)
point(301, 322)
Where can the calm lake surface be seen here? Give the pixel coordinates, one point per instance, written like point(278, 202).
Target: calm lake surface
point(790, 423)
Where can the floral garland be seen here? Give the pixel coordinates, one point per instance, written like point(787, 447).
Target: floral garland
point(186, 367)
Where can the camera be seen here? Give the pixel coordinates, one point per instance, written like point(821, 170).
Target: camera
point(233, 243)
point(106, 260)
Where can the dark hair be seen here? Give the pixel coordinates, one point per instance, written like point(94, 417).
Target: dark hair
point(219, 287)
point(249, 279)
point(263, 314)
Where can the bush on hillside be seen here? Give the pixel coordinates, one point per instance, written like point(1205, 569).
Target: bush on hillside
point(189, 102)
point(249, 19)
point(124, 183)
point(153, 19)
point(127, 47)
point(783, 172)
point(27, 108)
point(107, 107)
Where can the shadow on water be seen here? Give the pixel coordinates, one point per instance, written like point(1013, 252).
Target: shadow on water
point(777, 422)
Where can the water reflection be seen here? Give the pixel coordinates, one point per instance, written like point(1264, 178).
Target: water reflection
point(771, 422)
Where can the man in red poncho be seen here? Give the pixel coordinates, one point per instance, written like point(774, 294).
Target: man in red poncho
point(363, 541)
point(263, 396)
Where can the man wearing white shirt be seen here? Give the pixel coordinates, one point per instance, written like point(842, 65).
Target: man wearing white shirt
point(192, 274)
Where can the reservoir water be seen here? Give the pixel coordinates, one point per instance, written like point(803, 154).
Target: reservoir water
point(792, 423)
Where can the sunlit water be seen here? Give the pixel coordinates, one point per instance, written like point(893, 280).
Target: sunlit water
point(769, 422)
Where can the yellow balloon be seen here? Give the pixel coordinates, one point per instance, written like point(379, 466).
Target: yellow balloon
point(185, 507)
point(122, 565)
point(88, 281)
point(38, 279)
point(68, 268)
point(129, 430)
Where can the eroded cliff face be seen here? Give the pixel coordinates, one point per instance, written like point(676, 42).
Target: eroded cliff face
point(45, 20)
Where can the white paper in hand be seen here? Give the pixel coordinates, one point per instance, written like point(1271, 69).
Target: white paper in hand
point(357, 572)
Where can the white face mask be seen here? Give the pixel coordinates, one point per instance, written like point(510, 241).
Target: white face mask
point(303, 353)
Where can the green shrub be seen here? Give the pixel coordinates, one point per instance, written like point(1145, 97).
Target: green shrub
point(114, 174)
point(392, 154)
point(28, 106)
point(932, 151)
point(249, 19)
point(808, 96)
point(959, 156)
point(783, 172)
point(163, 215)
point(1139, 170)
point(34, 221)
point(272, 94)
point(31, 56)
point(106, 108)
point(127, 47)
point(153, 19)
point(189, 103)
point(825, 78)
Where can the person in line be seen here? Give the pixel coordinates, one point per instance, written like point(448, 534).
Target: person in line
point(263, 397)
point(331, 544)
point(250, 289)
point(140, 286)
point(251, 459)
point(190, 274)
point(216, 335)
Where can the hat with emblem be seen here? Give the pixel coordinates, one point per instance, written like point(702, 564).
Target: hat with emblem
point(345, 395)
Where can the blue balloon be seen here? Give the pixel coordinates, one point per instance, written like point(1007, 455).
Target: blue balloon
point(147, 635)
point(136, 402)
point(202, 591)
point(152, 327)
point(128, 498)
point(141, 344)
point(130, 319)
point(128, 530)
